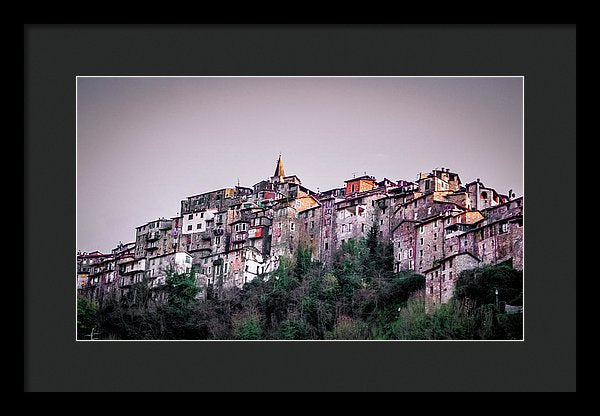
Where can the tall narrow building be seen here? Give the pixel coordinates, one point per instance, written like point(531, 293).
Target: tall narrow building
point(279, 173)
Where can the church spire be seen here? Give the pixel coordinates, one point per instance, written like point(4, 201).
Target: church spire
point(279, 168)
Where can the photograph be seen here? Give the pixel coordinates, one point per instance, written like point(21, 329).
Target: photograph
point(299, 208)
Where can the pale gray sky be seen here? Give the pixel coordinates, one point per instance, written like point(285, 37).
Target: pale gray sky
point(144, 144)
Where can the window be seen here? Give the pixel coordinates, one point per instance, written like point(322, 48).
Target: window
point(431, 290)
point(421, 230)
point(189, 228)
point(326, 245)
point(191, 216)
point(199, 226)
point(217, 240)
point(429, 211)
point(202, 215)
point(435, 224)
point(421, 241)
point(352, 188)
point(503, 228)
point(292, 226)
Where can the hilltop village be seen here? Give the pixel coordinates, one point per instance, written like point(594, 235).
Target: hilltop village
point(438, 227)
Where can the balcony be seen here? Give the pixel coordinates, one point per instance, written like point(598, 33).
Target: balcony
point(124, 260)
point(240, 236)
point(165, 225)
point(152, 246)
point(219, 231)
point(255, 232)
point(152, 236)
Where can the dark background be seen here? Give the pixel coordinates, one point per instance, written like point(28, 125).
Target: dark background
point(54, 55)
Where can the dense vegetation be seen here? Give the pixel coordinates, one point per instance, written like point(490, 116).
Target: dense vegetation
point(358, 297)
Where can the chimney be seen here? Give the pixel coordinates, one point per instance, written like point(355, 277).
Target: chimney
point(510, 194)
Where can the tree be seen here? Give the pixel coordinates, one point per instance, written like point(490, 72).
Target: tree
point(247, 326)
point(181, 289)
point(479, 285)
point(87, 318)
point(303, 261)
point(181, 292)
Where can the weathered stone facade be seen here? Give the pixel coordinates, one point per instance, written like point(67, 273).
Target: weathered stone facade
point(440, 279)
point(437, 227)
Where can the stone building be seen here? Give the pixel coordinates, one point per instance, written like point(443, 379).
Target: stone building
point(85, 262)
point(438, 180)
point(152, 238)
point(437, 227)
point(309, 229)
point(100, 279)
point(440, 279)
point(404, 240)
point(355, 216)
point(328, 235)
point(284, 238)
point(157, 268)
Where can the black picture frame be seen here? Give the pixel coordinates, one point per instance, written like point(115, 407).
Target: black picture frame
point(55, 54)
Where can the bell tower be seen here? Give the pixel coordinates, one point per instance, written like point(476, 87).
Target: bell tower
point(279, 172)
